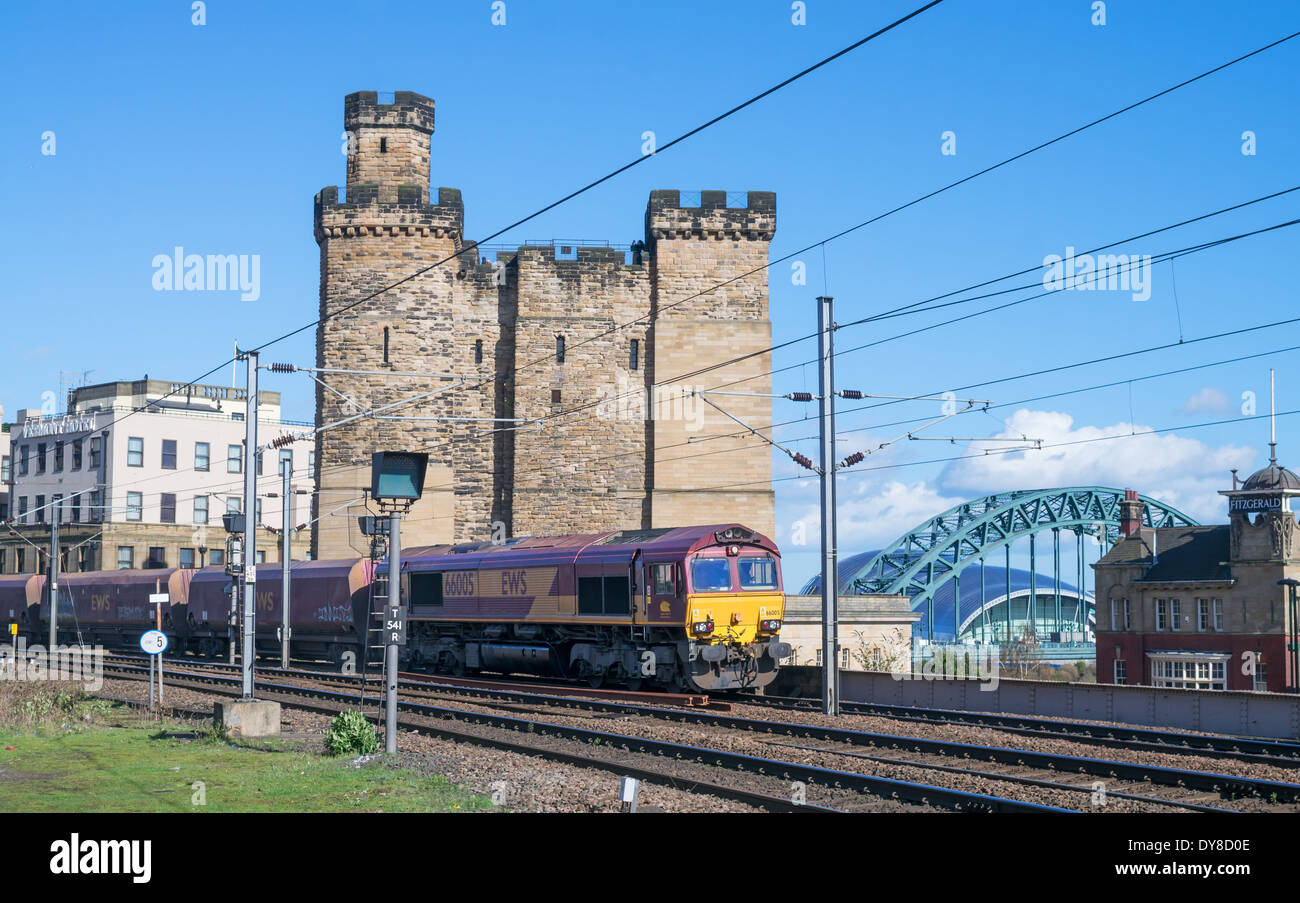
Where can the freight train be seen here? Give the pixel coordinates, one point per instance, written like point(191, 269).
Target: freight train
point(671, 608)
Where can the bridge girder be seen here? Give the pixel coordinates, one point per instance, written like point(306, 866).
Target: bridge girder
point(928, 556)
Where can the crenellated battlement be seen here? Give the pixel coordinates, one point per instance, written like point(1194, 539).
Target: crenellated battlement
point(666, 218)
point(408, 110)
point(362, 212)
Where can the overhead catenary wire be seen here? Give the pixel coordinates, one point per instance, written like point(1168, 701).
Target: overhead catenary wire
point(791, 255)
point(472, 247)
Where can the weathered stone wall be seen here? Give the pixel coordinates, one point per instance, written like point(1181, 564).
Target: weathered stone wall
point(702, 328)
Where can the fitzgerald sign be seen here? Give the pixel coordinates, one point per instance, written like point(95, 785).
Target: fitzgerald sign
point(1248, 504)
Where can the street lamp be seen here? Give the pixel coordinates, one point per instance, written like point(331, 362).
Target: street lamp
point(1293, 647)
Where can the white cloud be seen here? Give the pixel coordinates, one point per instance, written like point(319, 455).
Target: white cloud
point(1185, 473)
point(1208, 401)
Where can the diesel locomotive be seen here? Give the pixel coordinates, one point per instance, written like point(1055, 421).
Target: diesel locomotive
point(676, 608)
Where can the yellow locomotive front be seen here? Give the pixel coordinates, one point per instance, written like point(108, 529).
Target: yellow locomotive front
point(734, 606)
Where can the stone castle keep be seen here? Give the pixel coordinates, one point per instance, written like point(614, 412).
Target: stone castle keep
point(531, 335)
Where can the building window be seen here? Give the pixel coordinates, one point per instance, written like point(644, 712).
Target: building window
point(845, 659)
point(217, 556)
point(234, 459)
point(157, 557)
point(1217, 605)
point(1128, 614)
point(555, 396)
point(135, 452)
point(40, 509)
point(261, 556)
point(311, 464)
point(22, 561)
point(169, 454)
point(76, 508)
point(1260, 681)
point(58, 457)
point(168, 505)
point(22, 509)
point(257, 510)
point(200, 509)
point(96, 513)
point(2, 560)
point(125, 558)
point(233, 504)
point(202, 456)
point(1121, 671)
point(1202, 615)
point(559, 349)
point(76, 454)
point(22, 460)
point(134, 506)
point(819, 656)
point(186, 559)
point(56, 509)
point(1189, 672)
point(40, 457)
point(286, 461)
point(1162, 615)
point(6, 470)
point(478, 351)
point(96, 449)
point(1175, 614)
point(635, 355)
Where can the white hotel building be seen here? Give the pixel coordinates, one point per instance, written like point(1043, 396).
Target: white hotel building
point(141, 473)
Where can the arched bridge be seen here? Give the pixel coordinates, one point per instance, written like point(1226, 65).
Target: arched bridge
point(928, 562)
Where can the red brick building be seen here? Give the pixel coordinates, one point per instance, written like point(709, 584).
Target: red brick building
point(1200, 607)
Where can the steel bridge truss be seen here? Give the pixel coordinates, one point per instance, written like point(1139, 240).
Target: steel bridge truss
point(936, 552)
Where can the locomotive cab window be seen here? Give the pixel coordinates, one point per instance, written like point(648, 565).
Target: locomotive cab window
point(425, 588)
point(711, 575)
point(665, 580)
point(757, 573)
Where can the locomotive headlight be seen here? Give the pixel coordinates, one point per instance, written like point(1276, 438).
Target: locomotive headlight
point(702, 626)
point(772, 625)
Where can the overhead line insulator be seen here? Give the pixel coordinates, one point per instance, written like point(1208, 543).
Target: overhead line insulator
point(800, 396)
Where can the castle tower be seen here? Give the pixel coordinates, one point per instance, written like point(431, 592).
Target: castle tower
point(381, 231)
point(693, 249)
point(547, 357)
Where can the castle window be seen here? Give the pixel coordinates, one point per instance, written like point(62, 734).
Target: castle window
point(478, 351)
point(635, 355)
point(559, 349)
point(385, 344)
point(555, 396)
point(383, 145)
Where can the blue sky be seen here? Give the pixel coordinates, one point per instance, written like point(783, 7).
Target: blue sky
point(216, 138)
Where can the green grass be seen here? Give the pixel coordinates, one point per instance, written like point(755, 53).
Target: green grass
point(133, 766)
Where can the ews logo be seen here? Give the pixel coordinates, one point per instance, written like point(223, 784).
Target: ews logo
point(265, 602)
point(99, 602)
point(514, 583)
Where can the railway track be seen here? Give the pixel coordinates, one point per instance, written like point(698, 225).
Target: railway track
point(1282, 753)
point(1264, 752)
point(1186, 789)
point(685, 766)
